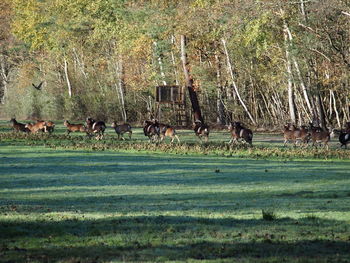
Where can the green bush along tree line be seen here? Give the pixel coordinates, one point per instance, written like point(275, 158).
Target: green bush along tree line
point(261, 61)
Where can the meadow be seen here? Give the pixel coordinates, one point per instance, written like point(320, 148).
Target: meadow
point(72, 199)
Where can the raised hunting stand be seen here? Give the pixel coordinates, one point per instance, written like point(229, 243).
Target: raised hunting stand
point(171, 98)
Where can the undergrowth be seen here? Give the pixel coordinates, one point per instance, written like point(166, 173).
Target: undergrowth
point(185, 148)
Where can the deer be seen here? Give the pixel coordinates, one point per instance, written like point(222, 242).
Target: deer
point(36, 127)
point(151, 130)
point(319, 135)
point(74, 127)
point(301, 134)
point(95, 127)
point(201, 130)
point(238, 131)
point(121, 129)
point(168, 131)
point(347, 127)
point(18, 127)
point(50, 126)
point(288, 134)
point(344, 139)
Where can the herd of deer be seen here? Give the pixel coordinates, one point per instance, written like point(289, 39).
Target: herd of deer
point(317, 135)
point(156, 131)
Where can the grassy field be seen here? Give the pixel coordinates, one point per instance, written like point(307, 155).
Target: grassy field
point(63, 202)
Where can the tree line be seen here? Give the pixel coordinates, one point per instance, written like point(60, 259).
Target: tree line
point(264, 62)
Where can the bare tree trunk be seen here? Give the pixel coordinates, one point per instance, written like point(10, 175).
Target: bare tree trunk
point(79, 63)
point(229, 65)
point(292, 111)
point(320, 108)
point(67, 78)
point(121, 87)
point(335, 108)
point(219, 100)
point(160, 63)
point(189, 82)
point(4, 75)
point(173, 41)
point(303, 86)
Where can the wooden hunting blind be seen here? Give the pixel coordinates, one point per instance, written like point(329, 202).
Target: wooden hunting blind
point(170, 101)
point(168, 94)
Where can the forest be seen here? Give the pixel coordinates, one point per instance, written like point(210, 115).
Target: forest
point(263, 62)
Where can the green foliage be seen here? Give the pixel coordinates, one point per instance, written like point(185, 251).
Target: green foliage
point(93, 36)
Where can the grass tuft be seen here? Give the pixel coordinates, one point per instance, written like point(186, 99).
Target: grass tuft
point(268, 215)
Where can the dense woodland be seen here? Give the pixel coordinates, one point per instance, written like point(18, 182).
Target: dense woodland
point(263, 62)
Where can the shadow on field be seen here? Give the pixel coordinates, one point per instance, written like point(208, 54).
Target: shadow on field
point(161, 238)
point(85, 201)
point(114, 169)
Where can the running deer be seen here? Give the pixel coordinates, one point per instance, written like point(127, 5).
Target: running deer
point(121, 129)
point(95, 127)
point(301, 134)
point(36, 127)
point(238, 131)
point(17, 126)
point(50, 126)
point(344, 139)
point(151, 130)
point(288, 134)
point(168, 131)
point(74, 127)
point(201, 130)
point(319, 135)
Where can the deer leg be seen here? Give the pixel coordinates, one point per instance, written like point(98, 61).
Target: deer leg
point(177, 137)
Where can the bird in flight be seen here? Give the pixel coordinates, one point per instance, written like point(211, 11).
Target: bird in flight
point(39, 86)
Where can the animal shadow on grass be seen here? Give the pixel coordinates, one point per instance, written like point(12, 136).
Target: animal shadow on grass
point(162, 238)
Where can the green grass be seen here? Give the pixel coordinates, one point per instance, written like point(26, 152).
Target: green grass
point(72, 199)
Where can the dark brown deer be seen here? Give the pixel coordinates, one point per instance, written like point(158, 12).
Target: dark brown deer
point(95, 127)
point(121, 129)
point(347, 127)
point(201, 130)
point(319, 136)
point(36, 127)
point(238, 131)
point(50, 126)
point(151, 130)
point(18, 127)
point(168, 131)
point(301, 134)
point(344, 139)
point(74, 127)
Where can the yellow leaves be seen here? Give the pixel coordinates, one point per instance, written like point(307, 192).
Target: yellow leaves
point(27, 20)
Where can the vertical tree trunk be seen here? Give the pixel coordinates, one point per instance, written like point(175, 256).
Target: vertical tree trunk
point(322, 116)
point(292, 110)
point(4, 75)
point(189, 82)
point(67, 78)
point(335, 108)
point(160, 63)
point(173, 60)
point(229, 65)
point(221, 119)
point(121, 87)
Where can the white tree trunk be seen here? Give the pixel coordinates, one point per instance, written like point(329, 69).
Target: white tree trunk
point(229, 65)
point(160, 63)
point(67, 78)
point(291, 104)
point(120, 88)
